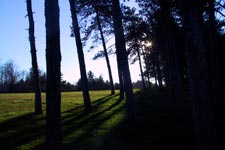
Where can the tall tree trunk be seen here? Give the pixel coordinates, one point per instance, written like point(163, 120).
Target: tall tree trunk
point(156, 76)
point(174, 69)
point(217, 88)
point(121, 80)
point(198, 76)
point(37, 105)
point(141, 70)
point(84, 80)
point(157, 62)
point(149, 83)
point(158, 70)
point(53, 63)
point(168, 38)
point(165, 68)
point(123, 58)
point(105, 51)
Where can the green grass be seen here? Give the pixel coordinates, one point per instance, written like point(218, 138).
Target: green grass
point(20, 128)
point(158, 125)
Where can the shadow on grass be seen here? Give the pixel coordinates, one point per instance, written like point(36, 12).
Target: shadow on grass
point(77, 113)
point(87, 128)
point(71, 112)
point(157, 126)
point(79, 130)
point(21, 130)
point(28, 130)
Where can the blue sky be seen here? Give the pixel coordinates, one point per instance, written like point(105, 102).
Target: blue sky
point(14, 44)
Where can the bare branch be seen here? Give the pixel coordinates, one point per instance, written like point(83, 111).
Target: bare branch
point(220, 13)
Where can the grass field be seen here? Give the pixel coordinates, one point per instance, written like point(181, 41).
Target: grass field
point(157, 124)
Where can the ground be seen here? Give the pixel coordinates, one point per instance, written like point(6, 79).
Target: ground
point(158, 124)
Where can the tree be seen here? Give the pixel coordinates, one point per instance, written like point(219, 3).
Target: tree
point(53, 91)
point(135, 29)
point(216, 76)
point(90, 75)
point(9, 75)
point(122, 57)
point(155, 56)
point(96, 83)
point(87, 9)
point(84, 81)
point(168, 43)
point(104, 47)
point(165, 32)
point(214, 52)
point(198, 76)
point(38, 107)
point(66, 86)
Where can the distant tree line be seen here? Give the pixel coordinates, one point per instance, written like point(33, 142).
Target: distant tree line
point(12, 80)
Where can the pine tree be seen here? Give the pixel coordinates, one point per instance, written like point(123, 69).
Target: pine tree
point(38, 107)
point(53, 90)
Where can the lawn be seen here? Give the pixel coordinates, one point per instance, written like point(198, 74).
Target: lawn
point(157, 124)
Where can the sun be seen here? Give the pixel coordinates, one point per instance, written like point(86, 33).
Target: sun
point(148, 44)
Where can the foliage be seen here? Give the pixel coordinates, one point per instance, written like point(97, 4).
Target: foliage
point(9, 76)
point(94, 83)
point(13, 80)
point(137, 32)
point(24, 81)
point(87, 11)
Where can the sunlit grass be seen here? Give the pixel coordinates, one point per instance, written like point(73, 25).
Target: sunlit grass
point(157, 125)
point(20, 128)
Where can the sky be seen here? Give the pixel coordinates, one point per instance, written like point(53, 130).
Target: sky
point(14, 43)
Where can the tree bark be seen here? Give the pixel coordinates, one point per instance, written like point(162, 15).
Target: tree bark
point(158, 70)
point(37, 105)
point(53, 91)
point(84, 80)
point(217, 88)
point(141, 70)
point(198, 77)
point(122, 57)
point(168, 39)
point(121, 80)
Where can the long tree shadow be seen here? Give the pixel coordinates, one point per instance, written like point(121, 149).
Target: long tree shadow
point(98, 102)
point(30, 128)
point(87, 118)
point(77, 113)
point(157, 126)
point(21, 130)
point(89, 125)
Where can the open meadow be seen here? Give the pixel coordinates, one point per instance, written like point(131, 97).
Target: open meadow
point(156, 125)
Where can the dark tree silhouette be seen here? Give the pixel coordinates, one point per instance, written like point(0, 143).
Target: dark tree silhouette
point(101, 21)
point(104, 47)
point(198, 76)
point(122, 58)
point(86, 96)
point(216, 75)
point(168, 43)
point(214, 52)
point(135, 29)
point(9, 76)
point(37, 89)
point(53, 91)
point(121, 79)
